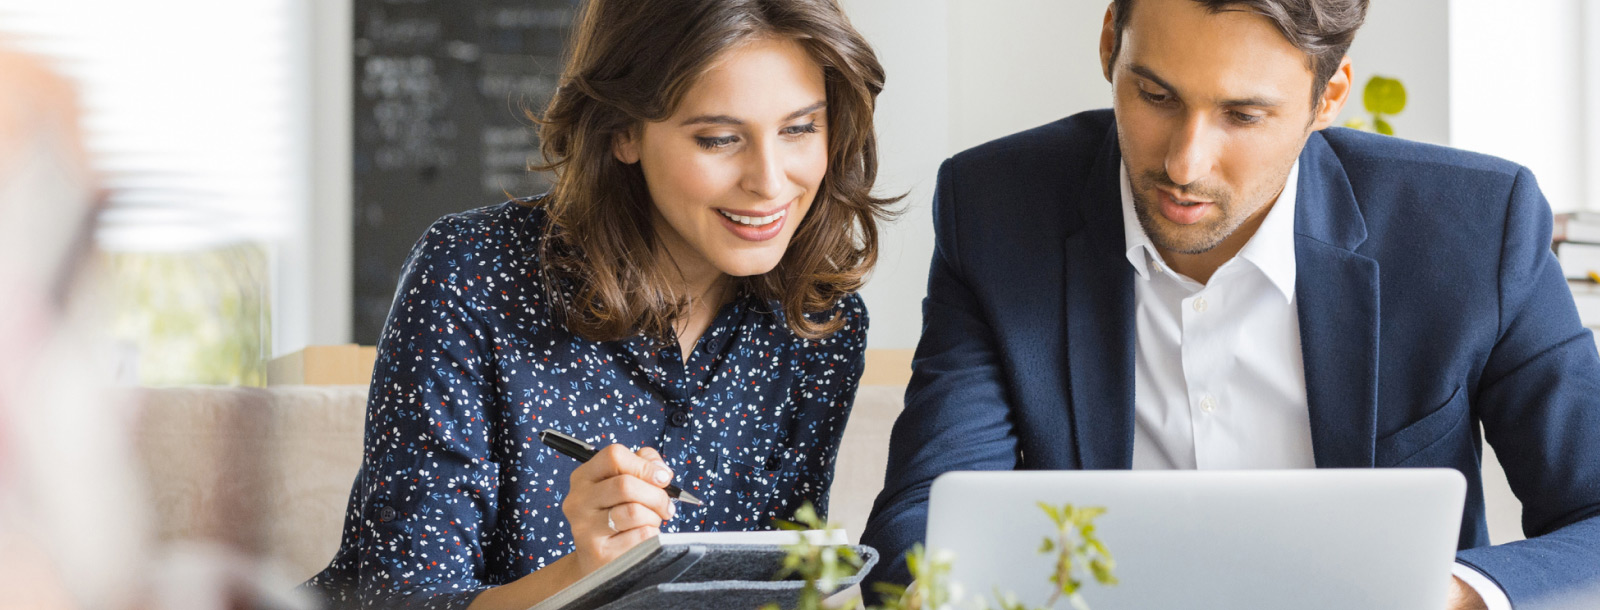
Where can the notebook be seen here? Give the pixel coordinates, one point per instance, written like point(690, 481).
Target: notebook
point(700, 570)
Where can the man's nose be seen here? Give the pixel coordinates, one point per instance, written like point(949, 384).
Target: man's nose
point(1192, 152)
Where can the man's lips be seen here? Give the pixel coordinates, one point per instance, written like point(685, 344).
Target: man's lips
point(1180, 210)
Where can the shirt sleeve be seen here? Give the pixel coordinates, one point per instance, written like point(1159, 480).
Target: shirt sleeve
point(426, 495)
point(1494, 598)
point(1539, 401)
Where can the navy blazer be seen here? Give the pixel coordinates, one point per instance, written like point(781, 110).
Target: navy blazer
point(1429, 303)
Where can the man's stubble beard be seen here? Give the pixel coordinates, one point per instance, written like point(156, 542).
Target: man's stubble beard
point(1208, 233)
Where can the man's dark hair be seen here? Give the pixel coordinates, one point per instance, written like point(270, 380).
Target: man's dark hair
point(1322, 29)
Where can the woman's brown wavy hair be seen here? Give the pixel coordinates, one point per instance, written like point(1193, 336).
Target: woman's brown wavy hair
point(631, 62)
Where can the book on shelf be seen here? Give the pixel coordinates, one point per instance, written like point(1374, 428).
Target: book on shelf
point(1578, 260)
point(701, 570)
point(1581, 227)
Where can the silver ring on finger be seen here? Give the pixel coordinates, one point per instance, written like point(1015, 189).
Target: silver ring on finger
point(611, 522)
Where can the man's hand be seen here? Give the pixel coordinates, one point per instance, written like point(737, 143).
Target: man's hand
point(1463, 597)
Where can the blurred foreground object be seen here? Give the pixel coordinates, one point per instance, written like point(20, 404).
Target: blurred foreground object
point(71, 521)
point(75, 527)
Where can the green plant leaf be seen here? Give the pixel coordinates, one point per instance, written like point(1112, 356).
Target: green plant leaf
point(888, 589)
point(1054, 513)
point(784, 524)
point(1383, 127)
point(1384, 95)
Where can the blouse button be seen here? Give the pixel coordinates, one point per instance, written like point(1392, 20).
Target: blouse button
point(773, 463)
point(386, 514)
point(679, 418)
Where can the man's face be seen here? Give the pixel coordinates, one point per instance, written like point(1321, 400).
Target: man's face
point(1212, 110)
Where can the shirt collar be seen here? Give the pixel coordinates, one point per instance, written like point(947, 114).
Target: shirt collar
point(1271, 249)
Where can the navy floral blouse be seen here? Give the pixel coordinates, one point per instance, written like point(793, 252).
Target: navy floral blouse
point(455, 492)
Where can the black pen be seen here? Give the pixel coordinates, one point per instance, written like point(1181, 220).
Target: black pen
point(583, 452)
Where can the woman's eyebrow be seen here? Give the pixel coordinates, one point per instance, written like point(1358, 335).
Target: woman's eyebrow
point(818, 105)
point(723, 119)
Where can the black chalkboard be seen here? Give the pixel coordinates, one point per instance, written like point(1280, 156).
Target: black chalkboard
point(440, 87)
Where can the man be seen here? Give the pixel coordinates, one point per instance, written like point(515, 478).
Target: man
point(1204, 278)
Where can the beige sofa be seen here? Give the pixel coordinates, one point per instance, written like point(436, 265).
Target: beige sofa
point(271, 469)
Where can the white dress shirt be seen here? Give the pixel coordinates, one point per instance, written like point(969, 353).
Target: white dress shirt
point(1219, 380)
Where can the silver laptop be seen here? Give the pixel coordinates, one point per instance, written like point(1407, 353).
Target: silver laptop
point(1211, 539)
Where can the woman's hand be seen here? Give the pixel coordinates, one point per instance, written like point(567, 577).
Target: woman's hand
point(616, 501)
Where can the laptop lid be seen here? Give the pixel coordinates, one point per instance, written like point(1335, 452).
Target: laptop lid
point(1213, 539)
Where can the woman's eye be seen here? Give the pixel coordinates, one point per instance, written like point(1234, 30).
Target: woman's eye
point(713, 143)
point(795, 130)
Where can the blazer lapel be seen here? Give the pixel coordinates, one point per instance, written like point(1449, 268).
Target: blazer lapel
point(1100, 324)
point(1337, 294)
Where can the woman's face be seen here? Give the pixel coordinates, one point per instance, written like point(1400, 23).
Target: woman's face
point(735, 169)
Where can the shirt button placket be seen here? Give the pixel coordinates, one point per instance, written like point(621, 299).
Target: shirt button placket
point(679, 418)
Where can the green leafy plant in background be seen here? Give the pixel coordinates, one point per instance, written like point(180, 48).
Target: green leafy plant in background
point(194, 317)
point(1079, 552)
point(1382, 97)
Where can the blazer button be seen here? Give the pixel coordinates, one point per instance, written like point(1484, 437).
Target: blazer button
point(678, 418)
point(386, 514)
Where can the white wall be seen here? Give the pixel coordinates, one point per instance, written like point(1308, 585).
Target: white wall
point(1020, 64)
point(913, 121)
point(1516, 89)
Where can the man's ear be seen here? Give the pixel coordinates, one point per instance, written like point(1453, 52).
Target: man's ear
point(625, 146)
point(1108, 40)
point(1334, 96)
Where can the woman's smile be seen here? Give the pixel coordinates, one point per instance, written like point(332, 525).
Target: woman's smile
point(755, 225)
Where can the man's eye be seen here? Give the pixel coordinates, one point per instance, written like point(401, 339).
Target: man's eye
point(1154, 98)
point(1244, 118)
point(713, 143)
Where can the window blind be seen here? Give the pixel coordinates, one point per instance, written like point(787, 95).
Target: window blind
point(190, 112)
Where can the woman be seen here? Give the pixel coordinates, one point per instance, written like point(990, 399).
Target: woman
point(686, 288)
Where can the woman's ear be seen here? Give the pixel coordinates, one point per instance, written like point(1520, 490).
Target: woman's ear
point(625, 146)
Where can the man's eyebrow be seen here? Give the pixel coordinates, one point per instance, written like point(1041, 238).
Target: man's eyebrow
point(1263, 102)
point(1151, 76)
point(723, 119)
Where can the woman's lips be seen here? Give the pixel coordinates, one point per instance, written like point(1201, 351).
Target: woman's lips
point(754, 225)
point(1182, 214)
